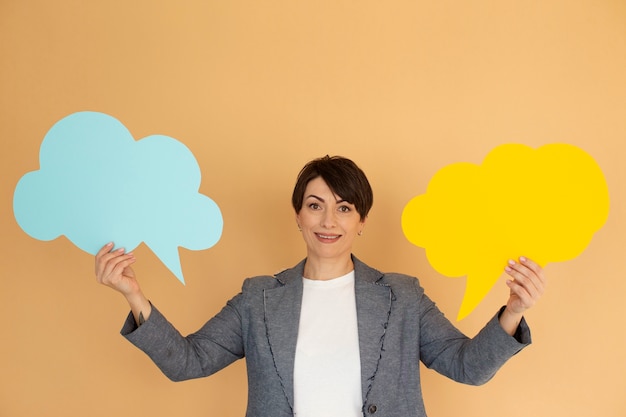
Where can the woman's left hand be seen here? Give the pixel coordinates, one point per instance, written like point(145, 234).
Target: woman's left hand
point(527, 284)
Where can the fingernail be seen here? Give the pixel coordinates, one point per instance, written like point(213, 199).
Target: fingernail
point(109, 244)
point(511, 262)
point(522, 259)
point(507, 269)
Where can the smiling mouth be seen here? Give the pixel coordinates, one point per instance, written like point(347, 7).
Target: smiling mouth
point(329, 238)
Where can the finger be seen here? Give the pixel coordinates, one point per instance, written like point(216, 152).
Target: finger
point(123, 263)
point(525, 298)
point(106, 248)
point(536, 268)
point(523, 276)
point(524, 289)
point(109, 263)
point(116, 274)
point(102, 256)
point(531, 270)
point(534, 273)
point(103, 259)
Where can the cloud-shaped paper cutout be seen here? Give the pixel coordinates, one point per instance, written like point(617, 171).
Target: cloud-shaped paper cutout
point(544, 204)
point(96, 184)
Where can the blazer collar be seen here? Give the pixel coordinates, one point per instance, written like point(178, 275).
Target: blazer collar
point(362, 272)
point(282, 317)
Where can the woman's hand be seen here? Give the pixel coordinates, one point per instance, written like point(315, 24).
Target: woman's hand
point(527, 286)
point(113, 270)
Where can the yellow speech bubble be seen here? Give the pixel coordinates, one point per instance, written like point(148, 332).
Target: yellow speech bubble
point(543, 203)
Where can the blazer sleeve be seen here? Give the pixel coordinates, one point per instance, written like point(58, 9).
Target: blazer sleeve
point(468, 360)
point(214, 346)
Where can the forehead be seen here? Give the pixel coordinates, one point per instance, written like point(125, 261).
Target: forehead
point(319, 188)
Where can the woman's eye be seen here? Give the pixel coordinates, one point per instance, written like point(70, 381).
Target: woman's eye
point(314, 206)
point(344, 209)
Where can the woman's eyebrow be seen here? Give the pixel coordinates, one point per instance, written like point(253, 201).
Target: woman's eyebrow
point(315, 197)
point(339, 201)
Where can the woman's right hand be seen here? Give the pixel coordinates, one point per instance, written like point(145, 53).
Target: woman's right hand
point(113, 270)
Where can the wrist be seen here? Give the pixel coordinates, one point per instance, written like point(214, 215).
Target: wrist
point(510, 320)
point(135, 298)
point(140, 307)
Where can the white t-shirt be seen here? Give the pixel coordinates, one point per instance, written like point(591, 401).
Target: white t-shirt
point(327, 370)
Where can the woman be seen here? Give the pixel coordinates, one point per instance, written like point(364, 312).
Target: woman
point(331, 336)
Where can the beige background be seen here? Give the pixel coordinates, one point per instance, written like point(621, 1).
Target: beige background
point(257, 88)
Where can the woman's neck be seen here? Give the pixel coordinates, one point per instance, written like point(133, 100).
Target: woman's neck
point(325, 269)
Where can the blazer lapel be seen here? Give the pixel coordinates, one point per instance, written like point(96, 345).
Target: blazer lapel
point(373, 307)
point(282, 316)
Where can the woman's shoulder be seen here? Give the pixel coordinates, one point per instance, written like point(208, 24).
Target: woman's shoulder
point(261, 282)
point(285, 276)
point(400, 278)
point(402, 283)
point(385, 278)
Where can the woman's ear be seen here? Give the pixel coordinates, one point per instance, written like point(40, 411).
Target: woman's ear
point(297, 217)
point(362, 226)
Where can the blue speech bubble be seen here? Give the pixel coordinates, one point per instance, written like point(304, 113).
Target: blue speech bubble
point(96, 184)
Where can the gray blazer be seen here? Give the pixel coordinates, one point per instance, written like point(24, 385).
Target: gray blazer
point(398, 325)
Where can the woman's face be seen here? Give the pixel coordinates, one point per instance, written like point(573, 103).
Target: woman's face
point(329, 224)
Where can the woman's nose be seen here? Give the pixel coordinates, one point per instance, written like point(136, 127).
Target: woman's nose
point(328, 219)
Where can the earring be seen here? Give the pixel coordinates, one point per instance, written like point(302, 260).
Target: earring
point(299, 228)
point(360, 232)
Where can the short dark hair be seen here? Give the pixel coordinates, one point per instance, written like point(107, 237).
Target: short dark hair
point(342, 176)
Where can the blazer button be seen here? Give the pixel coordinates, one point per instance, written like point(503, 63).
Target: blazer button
point(372, 408)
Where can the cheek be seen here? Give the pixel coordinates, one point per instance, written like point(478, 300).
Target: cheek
point(304, 220)
point(301, 217)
